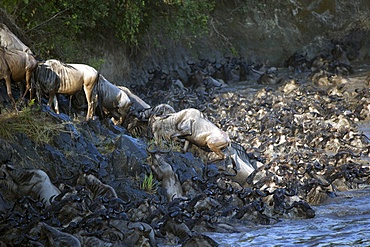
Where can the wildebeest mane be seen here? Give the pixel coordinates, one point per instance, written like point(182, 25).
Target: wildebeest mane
point(242, 153)
point(96, 93)
point(61, 68)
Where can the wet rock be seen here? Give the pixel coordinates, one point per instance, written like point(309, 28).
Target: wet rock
point(132, 145)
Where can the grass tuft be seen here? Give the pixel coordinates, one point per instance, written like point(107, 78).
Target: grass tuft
point(149, 184)
point(35, 124)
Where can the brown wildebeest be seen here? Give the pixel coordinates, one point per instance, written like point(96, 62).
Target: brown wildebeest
point(12, 42)
point(54, 77)
point(16, 66)
point(191, 125)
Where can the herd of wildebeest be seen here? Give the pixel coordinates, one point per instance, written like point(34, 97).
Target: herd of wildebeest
point(286, 151)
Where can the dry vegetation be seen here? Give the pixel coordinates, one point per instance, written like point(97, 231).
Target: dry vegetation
point(37, 125)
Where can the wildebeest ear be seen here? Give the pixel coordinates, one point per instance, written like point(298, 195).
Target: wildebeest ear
point(10, 167)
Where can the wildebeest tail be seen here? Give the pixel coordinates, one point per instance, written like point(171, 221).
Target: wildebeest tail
point(96, 92)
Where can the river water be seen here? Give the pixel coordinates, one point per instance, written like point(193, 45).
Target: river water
point(341, 221)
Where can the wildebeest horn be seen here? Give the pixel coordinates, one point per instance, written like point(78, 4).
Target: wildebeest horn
point(287, 193)
point(10, 167)
point(52, 198)
point(261, 193)
point(89, 169)
point(71, 176)
point(211, 107)
point(4, 176)
point(318, 166)
point(166, 150)
point(151, 148)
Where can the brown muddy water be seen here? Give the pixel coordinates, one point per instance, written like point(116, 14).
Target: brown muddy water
point(341, 221)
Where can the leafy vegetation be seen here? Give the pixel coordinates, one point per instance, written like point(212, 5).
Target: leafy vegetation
point(56, 26)
point(30, 121)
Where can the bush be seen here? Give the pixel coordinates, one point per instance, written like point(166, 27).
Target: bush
point(56, 26)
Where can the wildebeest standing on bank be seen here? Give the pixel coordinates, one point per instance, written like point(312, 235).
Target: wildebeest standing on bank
point(10, 41)
point(16, 66)
point(112, 100)
point(54, 77)
point(194, 127)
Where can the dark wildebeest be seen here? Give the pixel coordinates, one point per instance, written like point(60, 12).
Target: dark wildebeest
point(140, 119)
point(112, 100)
point(16, 66)
point(191, 125)
point(12, 42)
point(54, 77)
point(28, 182)
point(159, 110)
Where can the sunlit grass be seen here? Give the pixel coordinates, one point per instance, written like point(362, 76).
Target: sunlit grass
point(35, 124)
point(149, 184)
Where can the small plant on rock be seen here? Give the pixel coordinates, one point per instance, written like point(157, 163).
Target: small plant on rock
point(149, 184)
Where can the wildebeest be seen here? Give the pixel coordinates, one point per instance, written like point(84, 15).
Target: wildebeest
point(29, 182)
point(137, 103)
point(241, 163)
point(16, 66)
point(139, 122)
point(54, 77)
point(97, 187)
point(159, 110)
point(10, 41)
point(112, 100)
point(168, 177)
point(191, 125)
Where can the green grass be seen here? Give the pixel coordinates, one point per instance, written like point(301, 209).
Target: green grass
point(149, 184)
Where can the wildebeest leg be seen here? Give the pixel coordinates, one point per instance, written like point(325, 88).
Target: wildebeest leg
point(56, 104)
point(186, 146)
point(70, 105)
point(28, 84)
point(216, 145)
point(9, 91)
point(53, 100)
point(88, 93)
point(184, 128)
